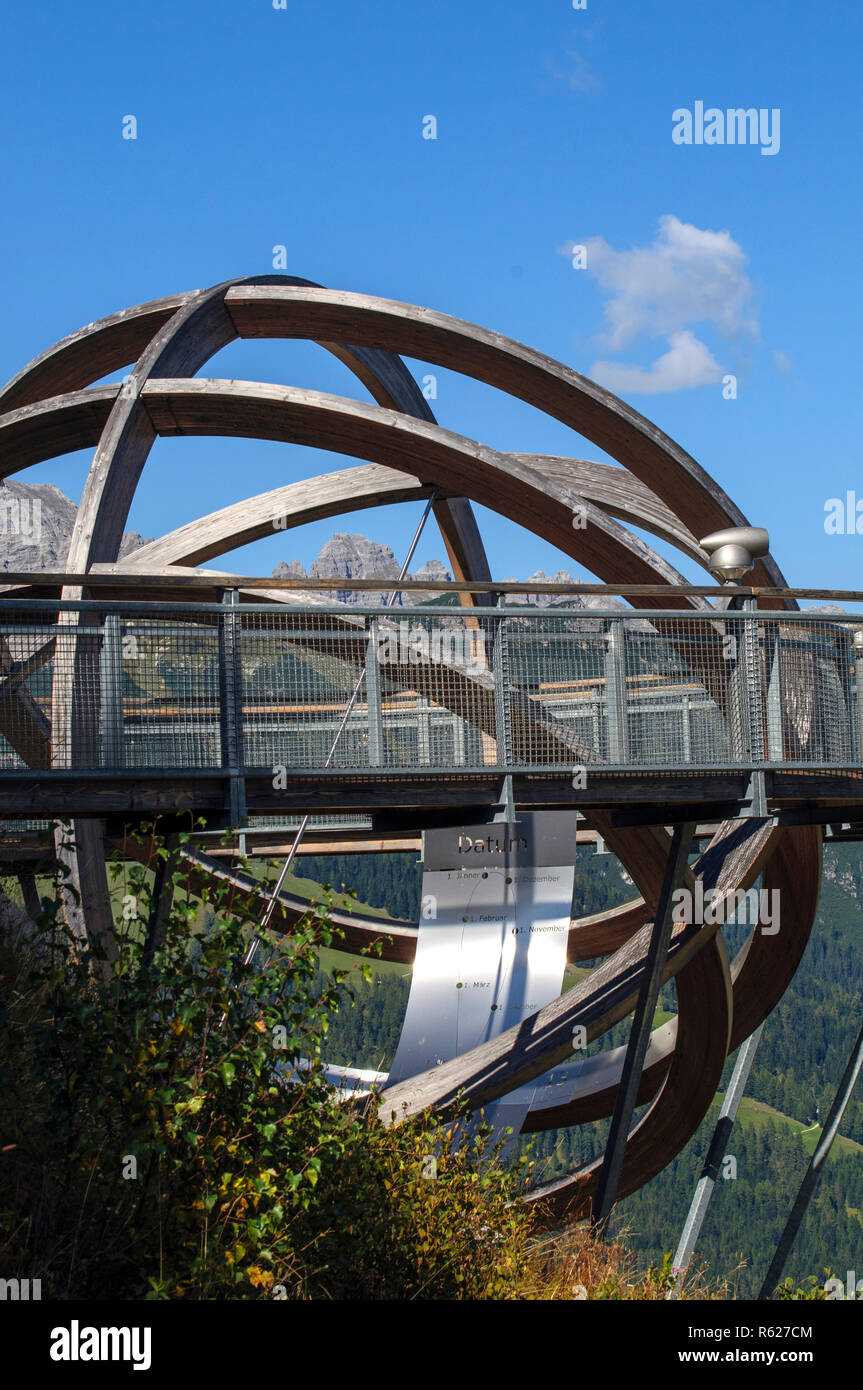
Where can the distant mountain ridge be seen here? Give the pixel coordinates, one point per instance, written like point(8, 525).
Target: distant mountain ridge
point(37, 520)
point(36, 524)
point(356, 557)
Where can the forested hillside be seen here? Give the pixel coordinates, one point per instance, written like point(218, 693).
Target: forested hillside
point(803, 1051)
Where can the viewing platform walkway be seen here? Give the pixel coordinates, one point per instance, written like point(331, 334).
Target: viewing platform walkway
point(235, 707)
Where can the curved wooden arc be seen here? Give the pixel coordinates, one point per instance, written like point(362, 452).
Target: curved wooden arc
point(119, 339)
point(765, 965)
point(250, 409)
point(598, 1080)
point(90, 353)
point(59, 425)
point(544, 1040)
point(458, 465)
point(398, 939)
point(687, 1074)
point(603, 933)
point(692, 1052)
point(693, 1058)
point(281, 306)
point(332, 494)
point(621, 494)
point(665, 491)
point(703, 1027)
point(669, 471)
point(183, 341)
point(29, 736)
point(113, 342)
point(296, 504)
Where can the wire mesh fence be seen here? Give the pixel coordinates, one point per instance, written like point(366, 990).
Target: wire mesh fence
point(290, 690)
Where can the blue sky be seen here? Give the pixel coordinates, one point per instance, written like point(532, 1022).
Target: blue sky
point(303, 127)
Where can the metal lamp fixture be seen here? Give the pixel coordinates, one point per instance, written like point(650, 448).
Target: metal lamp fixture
point(734, 551)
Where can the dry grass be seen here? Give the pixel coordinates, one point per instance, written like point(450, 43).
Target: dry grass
point(575, 1265)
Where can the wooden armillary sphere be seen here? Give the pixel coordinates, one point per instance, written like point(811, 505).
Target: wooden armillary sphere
point(51, 408)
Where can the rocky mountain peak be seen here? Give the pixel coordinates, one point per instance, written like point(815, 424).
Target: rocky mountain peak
point(36, 523)
point(355, 556)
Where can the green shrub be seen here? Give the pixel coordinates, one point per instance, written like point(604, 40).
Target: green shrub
point(158, 1140)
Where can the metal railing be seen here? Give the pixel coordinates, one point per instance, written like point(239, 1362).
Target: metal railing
point(251, 688)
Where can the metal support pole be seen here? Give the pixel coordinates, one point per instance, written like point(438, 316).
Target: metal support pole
point(500, 671)
point(423, 732)
point(813, 1172)
point(373, 697)
point(858, 689)
point(596, 726)
point(752, 677)
point(231, 704)
point(687, 729)
point(843, 661)
point(775, 739)
point(458, 756)
point(111, 685)
point(734, 653)
point(615, 694)
point(754, 707)
point(642, 1023)
point(715, 1154)
point(746, 705)
point(505, 813)
point(30, 892)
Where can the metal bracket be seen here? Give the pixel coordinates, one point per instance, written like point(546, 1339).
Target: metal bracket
point(505, 810)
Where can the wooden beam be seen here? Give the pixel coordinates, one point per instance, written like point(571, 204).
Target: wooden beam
point(660, 463)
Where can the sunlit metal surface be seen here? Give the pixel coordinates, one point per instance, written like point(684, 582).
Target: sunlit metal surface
point(495, 917)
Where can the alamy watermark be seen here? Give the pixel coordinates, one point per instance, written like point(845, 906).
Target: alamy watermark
point(20, 1290)
point(852, 1288)
point(413, 645)
point(77, 1343)
point(21, 517)
point(844, 515)
point(734, 126)
point(712, 905)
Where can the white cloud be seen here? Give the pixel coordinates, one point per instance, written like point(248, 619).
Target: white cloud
point(688, 276)
point(579, 75)
point(781, 361)
point(687, 363)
